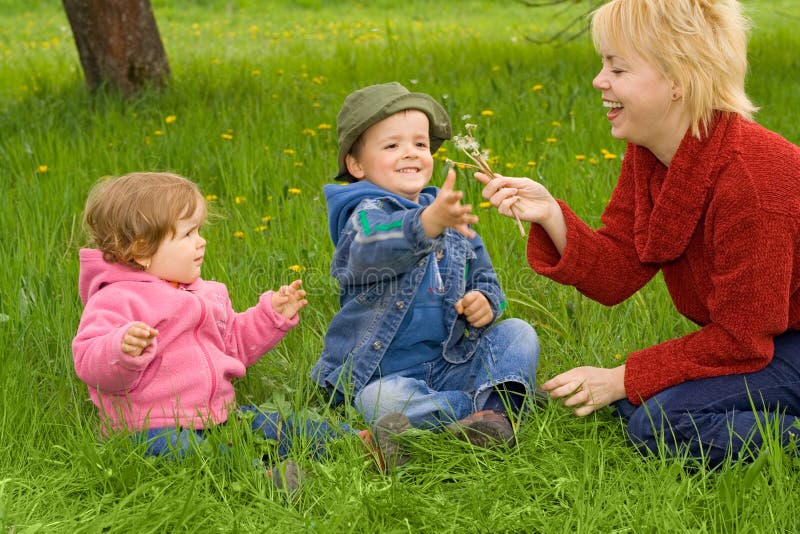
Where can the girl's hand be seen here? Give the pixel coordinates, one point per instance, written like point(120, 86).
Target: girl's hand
point(446, 211)
point(138, 337)
point(288, 300)
point(475, 307)
point(587, 389)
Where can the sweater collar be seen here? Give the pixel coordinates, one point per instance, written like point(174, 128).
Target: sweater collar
point(664, 224)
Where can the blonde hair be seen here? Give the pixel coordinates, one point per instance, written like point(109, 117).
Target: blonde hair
point(699, 44)
point(128, 217)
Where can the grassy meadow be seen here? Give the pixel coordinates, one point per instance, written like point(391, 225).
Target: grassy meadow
point(250, 114)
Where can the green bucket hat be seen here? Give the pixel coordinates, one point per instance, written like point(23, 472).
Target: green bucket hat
point(372, 104)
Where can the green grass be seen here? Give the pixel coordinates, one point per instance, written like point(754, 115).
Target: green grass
point(272, 79)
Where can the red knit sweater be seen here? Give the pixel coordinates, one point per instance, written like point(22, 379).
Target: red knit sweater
point(722, 223)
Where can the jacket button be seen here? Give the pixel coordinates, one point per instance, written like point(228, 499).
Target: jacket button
point(400, 305)
point(377, 345)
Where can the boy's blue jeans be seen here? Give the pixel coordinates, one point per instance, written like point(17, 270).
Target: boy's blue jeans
point(176, 442)
point(436, 393)
point(715, 417)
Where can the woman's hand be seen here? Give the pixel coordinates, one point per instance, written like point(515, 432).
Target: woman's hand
point(587, 389)
point(529, 200)
point(289, 300)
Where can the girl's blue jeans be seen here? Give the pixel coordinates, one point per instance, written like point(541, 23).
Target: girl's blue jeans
point(720, 417)
point(177, 442)
point(438, 392)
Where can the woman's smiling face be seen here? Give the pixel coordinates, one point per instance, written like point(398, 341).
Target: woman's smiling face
point(644, 106)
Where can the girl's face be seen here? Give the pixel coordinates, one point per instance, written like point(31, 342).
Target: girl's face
point(179, 257)
point(644, 107)
point(395, 154)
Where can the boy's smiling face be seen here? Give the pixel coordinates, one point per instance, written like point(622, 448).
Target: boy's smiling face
point(395, 154)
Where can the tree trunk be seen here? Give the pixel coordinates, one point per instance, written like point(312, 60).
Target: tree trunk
point(118, 43)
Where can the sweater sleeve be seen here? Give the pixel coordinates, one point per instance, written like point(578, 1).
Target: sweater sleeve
point(97, 346)
point(255, 331)
point(751, 263)
point(601, 264)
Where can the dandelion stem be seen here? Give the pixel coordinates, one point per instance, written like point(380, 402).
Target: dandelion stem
point(470, 147)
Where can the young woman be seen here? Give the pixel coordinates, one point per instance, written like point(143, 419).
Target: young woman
point(709, 198)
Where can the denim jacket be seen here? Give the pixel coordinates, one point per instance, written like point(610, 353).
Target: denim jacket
point(381, 256)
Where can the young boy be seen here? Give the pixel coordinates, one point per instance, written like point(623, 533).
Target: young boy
point(417, 332)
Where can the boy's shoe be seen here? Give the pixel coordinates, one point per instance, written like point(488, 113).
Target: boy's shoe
point(485, 429)
point(287, 476)
point(541, 398)
point(381, 441)
point(386, 429)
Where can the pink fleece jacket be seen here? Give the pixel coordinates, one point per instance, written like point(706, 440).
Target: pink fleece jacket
point(185, 377)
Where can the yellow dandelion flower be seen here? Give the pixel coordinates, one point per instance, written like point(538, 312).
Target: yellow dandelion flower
point(298, 163)
point(580, 157)
point(169, 119)
point(297, 268)
point(238, 234)
point(158, 132)
point(260, 228)
point(609, 155)
point(555, 123)
point(531, 163)
point(324, 126)
point(487, 113)
point(618, 356)
point(484, 204)
point(551, 140)
point(266, 218)
point(288, 151)
point(529, 139)
point(537, 87)
point(240, 200)
point(211, 198)
point(147, 139)
point(41, 169)
point(315, 105)
point(441, 150)
point(227, 136)
point(509, 165)
point(293, 191)
point(255, 72)
point(309, 132)
point(603, 151)
point(593, 161)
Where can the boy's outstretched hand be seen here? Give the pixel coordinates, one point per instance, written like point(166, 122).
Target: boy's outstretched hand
point(475, 307)
point(138, 337)
point(446, 211)
point(288, 300)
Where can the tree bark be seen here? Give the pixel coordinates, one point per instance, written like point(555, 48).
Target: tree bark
point(118, 43)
